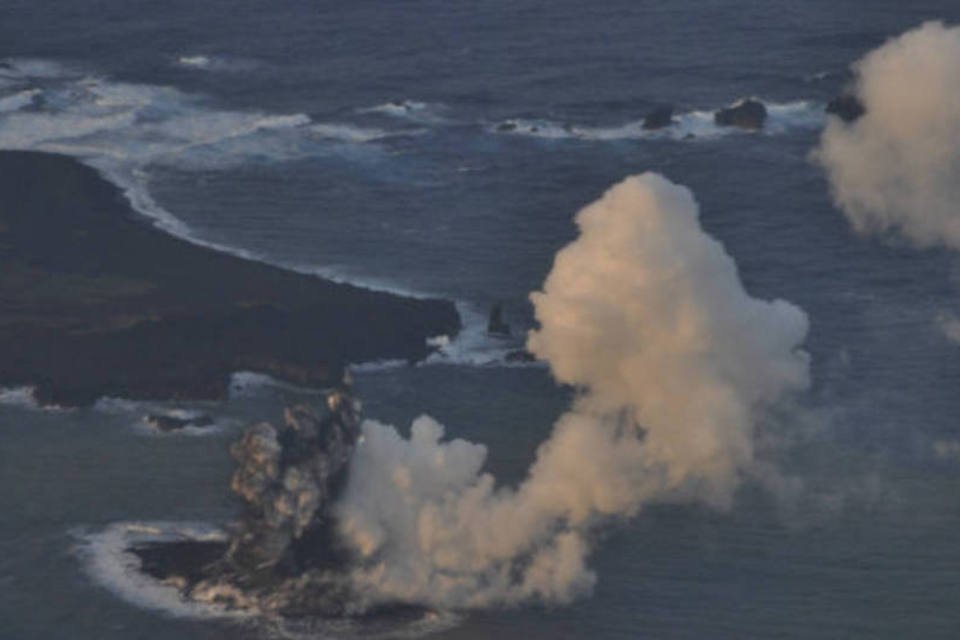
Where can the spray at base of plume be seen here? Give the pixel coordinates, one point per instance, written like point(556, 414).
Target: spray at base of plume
point(675, 365)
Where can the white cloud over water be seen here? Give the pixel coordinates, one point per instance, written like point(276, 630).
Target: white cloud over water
point(897, 168)
point(675, 363)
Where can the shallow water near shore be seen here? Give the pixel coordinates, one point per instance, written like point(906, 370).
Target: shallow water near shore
point(362, 143)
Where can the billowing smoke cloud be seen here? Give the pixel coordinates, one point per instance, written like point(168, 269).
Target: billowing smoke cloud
point(674, 364)
point(897, 168)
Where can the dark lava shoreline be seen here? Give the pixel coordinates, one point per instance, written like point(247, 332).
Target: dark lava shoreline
point(94, 301)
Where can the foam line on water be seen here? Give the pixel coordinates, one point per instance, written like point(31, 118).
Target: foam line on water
point(108, 563)
point(123, 129)
point(691, 125)
point(473, 346)
point(206, 62)
point(23, 397)
point(412, 110)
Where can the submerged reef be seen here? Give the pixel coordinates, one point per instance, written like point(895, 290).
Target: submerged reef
point(97, 301)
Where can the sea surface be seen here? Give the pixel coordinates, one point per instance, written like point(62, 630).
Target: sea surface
point(362, 141)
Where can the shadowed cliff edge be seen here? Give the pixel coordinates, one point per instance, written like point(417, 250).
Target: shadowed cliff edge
point(96, 301)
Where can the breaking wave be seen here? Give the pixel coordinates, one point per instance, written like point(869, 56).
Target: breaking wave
point(411, 110)
point(123, 129)
point(110, 564)
point(23, 397)
point(208, 62)
point(692, 125)
point(475, 347)
point(106, 558)
point(353, 133)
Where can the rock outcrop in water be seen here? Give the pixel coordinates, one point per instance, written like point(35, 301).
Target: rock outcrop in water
point(659, 118)
point(167, 423)
point(748, 114)
point(96, 301)
point(496, 325)
point(283, 555)
point(847, 107)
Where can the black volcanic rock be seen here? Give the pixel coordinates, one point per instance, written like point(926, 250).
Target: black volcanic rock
point(745, 114)
point(519, 356)
point(847, 107)
point(287, 477)
point(166, 422)
point(496, 326)
point(283, 554)
point(183, 561)
point(659, 118)
point(97, 301)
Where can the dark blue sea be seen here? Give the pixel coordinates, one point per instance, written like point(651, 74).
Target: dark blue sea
point(443, 148)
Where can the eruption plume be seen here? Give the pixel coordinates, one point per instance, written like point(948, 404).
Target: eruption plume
point(674, 365)
point(897, 168)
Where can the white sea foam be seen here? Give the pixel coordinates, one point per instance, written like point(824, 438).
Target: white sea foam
point(18, 397)
point(249, 383)
point(692, 125)
point(18, 100)
point(818, 76)
point(202, 62)
point(24, 398)
point(143, 426)
point(351, 133)
point(378, 365)
point(473, 346)
point(93, 119)
point(414, 110)
point(107, 561)
point(800, 115)
point(33, 68)
point(397, 108)
point(216, 63)
point(123, 129)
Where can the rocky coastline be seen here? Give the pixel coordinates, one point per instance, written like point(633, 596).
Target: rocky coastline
point(96, 301)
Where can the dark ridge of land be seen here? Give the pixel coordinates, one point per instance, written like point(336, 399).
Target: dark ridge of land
point(94, 301)
point(184, 559)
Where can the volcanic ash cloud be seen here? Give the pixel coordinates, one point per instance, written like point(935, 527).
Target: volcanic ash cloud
point(674, 363)
point(897, 168)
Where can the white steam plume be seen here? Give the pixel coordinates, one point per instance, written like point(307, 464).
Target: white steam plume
point(645, 314)
point(897, 168)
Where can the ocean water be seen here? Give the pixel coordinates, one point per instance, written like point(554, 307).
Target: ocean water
point(360, 141)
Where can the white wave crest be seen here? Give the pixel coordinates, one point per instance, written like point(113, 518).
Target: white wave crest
point(21, 68)
point(414, 110)
point(18, 100)
point(23, 397)
point(249, 383)
point(109, 564)
point(123, 129)
point(474, 347)
point(355, 134)
point(18, 397)
point(208, 62)
point(107, 561)
point(692, 125)
point(377, 366)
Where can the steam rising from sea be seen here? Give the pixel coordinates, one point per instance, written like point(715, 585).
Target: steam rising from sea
point(896, 169)
point(675, 365)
